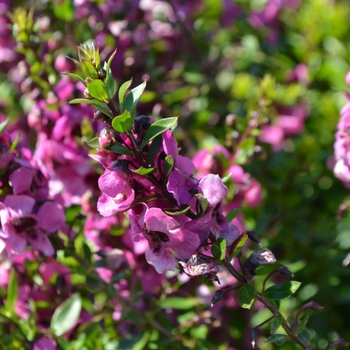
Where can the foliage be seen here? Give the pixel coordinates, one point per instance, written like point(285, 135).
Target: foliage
point(115, 236)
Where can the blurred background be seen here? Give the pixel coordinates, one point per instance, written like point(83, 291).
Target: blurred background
point(263, 78)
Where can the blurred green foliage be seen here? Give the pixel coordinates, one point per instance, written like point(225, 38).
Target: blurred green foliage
point(227, 70)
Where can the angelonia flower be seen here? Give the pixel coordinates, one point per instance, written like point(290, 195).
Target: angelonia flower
point(146, 178)
point(342, 145)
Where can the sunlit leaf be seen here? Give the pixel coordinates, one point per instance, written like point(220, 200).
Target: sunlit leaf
point(218, 249)
point(157, 128)
point(66, 315)
point(282, 291)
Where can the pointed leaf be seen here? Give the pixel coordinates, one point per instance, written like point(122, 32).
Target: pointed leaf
point(102, 106)
point(153, 150)
point(66, 315)
point(123, 89)
point(93, 143)
point(75, 76)
point(123, 122)
point(14, 143)
point(302, 322)
point(179, 211)
point(282, 291)
point(168, 166)
point(132, 99)
point(278, 339)
point(12, 291)
point(238, 244)
point(111, 86)
point(262, 270)
point(246, 296)
point(98, 90)
point(218, 249)
point(275, 323)
point(3, 125)
point(233, 213)
point(89, 70)
point(203, 202)
point(143, 171)
point(110, 61)
point(157, 128)
point(118, 148)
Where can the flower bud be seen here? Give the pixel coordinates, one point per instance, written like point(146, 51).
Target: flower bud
point(219, 294)
point(108, 137)
point(99, 116)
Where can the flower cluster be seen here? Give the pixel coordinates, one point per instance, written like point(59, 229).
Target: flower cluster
point(342, 146)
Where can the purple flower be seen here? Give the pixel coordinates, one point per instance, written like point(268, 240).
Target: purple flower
point(21, 225)
point(181, 179)
point(213, 189)
point(45, 344)
point(342, 146)
point(167, 240)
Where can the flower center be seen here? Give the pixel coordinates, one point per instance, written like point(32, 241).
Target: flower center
point(24, 224)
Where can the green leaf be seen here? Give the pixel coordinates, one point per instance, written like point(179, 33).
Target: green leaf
point(302, 321)
point(168, 166)
point(238, 245)
point(153, 150)
point(233, 213)
point(203, 202)
point(98, 90)
point(108, 67)
point(143, 171)
point(118, 148)
point(123, 89)
point(218, 249)
point(98, 104)
point(75, 76)
point(111, 86)
point(66, 315)
point(64, 10)
point(93, 143)
point(278, 339)
point(12, 291)
point(246, 296)
point(262, 270)
point(275, 323)
point(3, 125)
point(179, 303)
point(282, 291)
point(89, 70)
point(132, 99)
point(14, 143)
point(157, 128)
point(179, 211)
point(123, 122)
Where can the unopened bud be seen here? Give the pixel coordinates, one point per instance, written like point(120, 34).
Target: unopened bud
point(254, 336)
point(219, 294)
point(99, 116)
point(101, 74)
point(142, 124)
point(108, 137)
point(115, 259)
point(87, 94)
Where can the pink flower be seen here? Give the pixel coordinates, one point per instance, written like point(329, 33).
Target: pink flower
point(20, 224)
point(45, 344)
point(118, 194)
point(167, 240)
